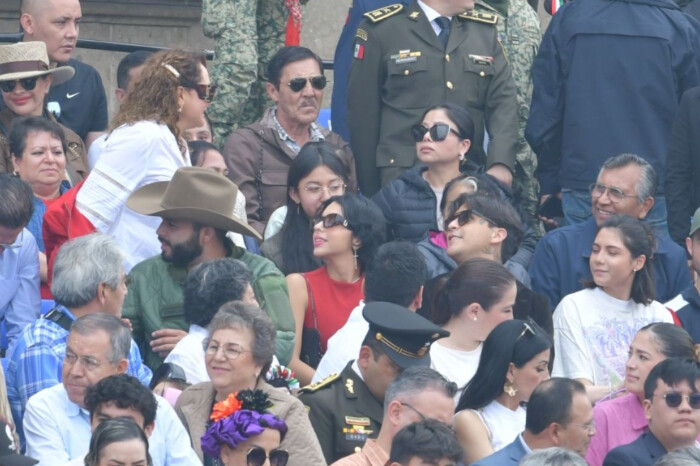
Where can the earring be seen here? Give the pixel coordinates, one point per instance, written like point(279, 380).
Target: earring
point(461, 157)
point(179, 109)
point(298, 210)
point(354, 254)
point(15, 174)
point(510, 388)
point(474, 319)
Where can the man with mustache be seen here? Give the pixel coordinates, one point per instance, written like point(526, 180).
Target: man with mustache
point(258, 156)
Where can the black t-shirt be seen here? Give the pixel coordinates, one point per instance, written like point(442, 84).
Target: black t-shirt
point(80, 103)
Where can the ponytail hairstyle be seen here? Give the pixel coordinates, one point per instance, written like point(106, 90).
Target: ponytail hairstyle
point(639, 240)
point(673, 341)
point(476, 280)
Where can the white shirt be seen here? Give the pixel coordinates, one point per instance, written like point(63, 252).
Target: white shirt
point(189, 354)
point(593, 331)
point(455, 365)
point(430, 15)
point(132, 156)
point(503, 424)
point(58, 431)
point(344, 345)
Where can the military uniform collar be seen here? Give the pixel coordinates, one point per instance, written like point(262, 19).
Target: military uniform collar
point(429, 12)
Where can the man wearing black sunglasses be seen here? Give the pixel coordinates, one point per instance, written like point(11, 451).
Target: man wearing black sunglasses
point(672, 406)
point(407, 59)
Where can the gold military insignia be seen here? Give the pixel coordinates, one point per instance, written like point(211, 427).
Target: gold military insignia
point(362, 34)
point(384, 12)
point(357, 421)
point(487, 18)
point(315, 386)
point(350, 386)
point(414, 15)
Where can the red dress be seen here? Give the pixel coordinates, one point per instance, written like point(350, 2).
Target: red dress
point(334, 302)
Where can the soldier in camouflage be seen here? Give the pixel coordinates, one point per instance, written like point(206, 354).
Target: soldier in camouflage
point(247, 34)
point(519, 32)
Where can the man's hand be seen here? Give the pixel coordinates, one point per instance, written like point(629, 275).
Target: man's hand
point(501, 173)
point(551, 223)
point(164, 340)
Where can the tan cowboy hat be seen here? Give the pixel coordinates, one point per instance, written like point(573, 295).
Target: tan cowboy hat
point(28, 60)
point(194, 194)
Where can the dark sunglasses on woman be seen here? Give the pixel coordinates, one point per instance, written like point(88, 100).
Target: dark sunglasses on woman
point(205, 92)
point(256, 457)
point(28, 84)
point(330, 220)
point(317, 82)
point(465, 217)
point(438, 132)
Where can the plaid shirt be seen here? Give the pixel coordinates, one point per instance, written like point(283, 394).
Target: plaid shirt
point(315, 134)
point(35, 362)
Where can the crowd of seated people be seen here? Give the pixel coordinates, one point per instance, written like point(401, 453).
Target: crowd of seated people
point(169, 299)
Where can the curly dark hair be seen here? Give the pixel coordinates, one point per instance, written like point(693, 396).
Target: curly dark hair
point(124, 391)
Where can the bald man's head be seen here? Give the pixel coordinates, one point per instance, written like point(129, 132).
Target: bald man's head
point(54, 22)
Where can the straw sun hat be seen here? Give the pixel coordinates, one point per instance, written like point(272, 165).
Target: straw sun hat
point(29, 60)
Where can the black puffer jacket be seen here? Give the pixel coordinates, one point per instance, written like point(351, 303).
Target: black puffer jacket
point(409, 206)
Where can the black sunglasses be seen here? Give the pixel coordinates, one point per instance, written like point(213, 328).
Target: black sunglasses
point(465, 217)
point(256, 457)
point(205, 92)
point(674, 399)
point(317, 82)
point(27, 83)
point(438, 132)
point(330, 220)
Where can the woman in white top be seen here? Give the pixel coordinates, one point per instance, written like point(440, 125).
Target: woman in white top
point(490, 413)
point(594, 327)
point(478, 295)
point(144, 145)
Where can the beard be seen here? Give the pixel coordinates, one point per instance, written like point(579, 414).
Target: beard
point(182, 254)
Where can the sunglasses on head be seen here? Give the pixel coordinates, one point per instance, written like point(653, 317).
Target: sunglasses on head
point(28, 84)
point(438, 132)
point(330, 220)
point(256, 457)
point(317, 82)
point(205, 92)
point(674, 399)
point(526, 328)
point(465, 217)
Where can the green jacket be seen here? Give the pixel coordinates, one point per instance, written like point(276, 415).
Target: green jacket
point(155, 301)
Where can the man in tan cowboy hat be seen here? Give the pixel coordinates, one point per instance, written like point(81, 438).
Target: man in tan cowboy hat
point(80, 103)
point(196, 207)
point(25, 78)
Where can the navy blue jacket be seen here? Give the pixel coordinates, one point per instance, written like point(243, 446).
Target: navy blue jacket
point(510, 455)
point(561, 263)
point(687, 307)
point(343, 59)
point(642, 452)
point(608, 78)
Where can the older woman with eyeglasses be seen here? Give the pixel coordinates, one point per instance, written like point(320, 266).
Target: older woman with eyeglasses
point(238, 352)
point(25, 78)
point(411, 203)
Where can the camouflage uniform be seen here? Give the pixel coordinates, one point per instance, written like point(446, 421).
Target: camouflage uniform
point(521, 36)
point(247, 34)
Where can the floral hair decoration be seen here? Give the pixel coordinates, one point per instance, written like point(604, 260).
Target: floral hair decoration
point(237, 418)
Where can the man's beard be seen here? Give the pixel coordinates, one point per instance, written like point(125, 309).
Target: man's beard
point(184, 253)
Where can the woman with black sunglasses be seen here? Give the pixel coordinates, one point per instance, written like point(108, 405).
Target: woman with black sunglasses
point(411, 202)
point(347, 231)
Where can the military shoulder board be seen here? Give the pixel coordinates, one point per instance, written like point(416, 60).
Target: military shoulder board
point(384, 12)
point(487, 18)
point(315, 386)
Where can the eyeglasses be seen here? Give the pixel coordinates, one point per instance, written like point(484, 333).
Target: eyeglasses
point(330, 221)
point(205, 92)
point(526, 328)
point(256, 456)
point(89, 363)
point(438, 132)
point(422, 416)
point(588, 426)
point(674, 399)
point(614, 194)
point(334, 189)
point(465, 217)
point(16, 244)
point(317, 82)
point(28, 84)
point(231, 351)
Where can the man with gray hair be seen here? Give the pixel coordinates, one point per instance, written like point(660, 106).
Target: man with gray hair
point(554, 456)
point(57, 423)
point(88, 278)
point(625, 185)
point(417, 394)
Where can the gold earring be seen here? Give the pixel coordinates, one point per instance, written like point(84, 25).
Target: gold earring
point(510, 388)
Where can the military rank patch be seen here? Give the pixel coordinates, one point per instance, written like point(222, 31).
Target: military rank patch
point(384, 12)
point(405, 56)
point(359, 52)
point(479, 17)
point(361, 34)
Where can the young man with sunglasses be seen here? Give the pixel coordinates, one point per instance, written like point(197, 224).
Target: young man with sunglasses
point(625, 185)
point(258, 156)
point(672, 406)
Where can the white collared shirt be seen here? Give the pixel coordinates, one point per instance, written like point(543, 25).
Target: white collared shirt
point(431, 14)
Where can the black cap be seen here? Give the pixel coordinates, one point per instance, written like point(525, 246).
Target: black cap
point(406, 336)
point(8, 457)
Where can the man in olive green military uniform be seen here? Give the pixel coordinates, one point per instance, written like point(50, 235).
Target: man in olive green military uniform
point(407, 59)
point(346, 409)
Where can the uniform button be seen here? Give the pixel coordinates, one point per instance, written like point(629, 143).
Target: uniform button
point(449, 85)
point(391, 161)
point(405, 72)
point(482, 74)
point(447, 57)
point(358, 449)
